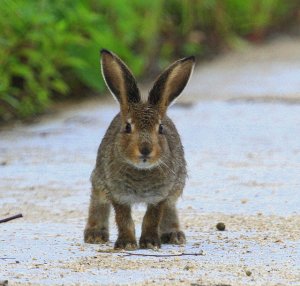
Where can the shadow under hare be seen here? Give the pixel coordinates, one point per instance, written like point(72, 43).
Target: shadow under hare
point(140, 159)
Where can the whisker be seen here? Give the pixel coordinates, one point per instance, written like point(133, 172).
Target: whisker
point(168, 167)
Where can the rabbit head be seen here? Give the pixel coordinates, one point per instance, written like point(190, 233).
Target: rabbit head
point(142, 140)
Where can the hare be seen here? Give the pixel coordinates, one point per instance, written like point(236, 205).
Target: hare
point(140, 159)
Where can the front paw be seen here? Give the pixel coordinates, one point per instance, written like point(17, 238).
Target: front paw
point(95, 236)
point(174, 237)
point(124, 243)
point(150, 241)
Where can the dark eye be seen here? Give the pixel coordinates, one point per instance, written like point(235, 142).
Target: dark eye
point(160, 129)
point(128, 128)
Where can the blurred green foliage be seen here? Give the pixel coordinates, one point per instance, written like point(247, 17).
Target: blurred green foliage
point(50, 48)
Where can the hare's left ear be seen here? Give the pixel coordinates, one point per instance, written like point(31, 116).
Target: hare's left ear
point(170, 83)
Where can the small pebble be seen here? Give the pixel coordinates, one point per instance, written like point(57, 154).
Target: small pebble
point(248, 272)
point(220, 226)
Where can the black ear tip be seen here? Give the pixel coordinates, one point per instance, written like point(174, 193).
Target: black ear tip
point(190, 58)
point(105, 51)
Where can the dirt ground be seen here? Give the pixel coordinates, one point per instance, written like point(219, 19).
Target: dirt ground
point(240, 124)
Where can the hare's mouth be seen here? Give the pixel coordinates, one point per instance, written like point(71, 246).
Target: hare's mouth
point(144, 162)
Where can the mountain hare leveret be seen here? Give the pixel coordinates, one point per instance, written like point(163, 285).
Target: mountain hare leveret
point(140, 159)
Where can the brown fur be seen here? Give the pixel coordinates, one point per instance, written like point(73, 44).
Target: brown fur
point(142, 165)
point(150, 228)
point(126, 238)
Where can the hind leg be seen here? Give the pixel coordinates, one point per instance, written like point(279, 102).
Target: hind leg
point(96, 230)
point(169, 226)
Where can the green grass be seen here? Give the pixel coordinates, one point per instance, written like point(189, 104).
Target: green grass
point(50, 49)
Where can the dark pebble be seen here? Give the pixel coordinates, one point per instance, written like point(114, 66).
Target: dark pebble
point(220, 226)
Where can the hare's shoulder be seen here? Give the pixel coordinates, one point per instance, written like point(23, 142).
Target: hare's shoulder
point(111, 132)
point(113, 128)
point(106, 144)
point(172, 134)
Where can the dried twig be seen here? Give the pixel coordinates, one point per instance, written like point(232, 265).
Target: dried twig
point(127, 253)
point(10, 218)
point(162, 255)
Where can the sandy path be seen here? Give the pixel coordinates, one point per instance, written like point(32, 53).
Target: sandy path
point(244, 166)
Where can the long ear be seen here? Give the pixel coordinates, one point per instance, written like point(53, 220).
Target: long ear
point(171, 83)
point(119, 79)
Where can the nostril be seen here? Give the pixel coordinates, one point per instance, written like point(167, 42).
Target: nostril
point(145, 151)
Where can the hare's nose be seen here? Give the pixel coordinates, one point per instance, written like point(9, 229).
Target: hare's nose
point(145, 151)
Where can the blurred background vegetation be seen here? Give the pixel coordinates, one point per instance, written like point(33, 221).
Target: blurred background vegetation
point(49, 49)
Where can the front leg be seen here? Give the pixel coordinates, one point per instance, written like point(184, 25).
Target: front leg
point(96, 230)
point(150, 236)
point(126, 237)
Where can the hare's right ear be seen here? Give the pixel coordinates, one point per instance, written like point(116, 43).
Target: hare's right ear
point(119, 80)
